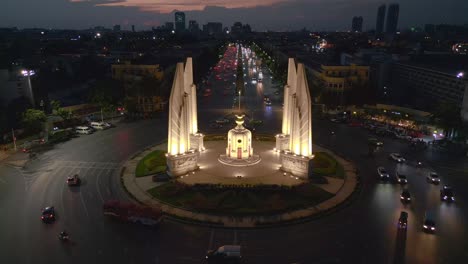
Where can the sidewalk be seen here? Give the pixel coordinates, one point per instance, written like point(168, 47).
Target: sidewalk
point(137, 188)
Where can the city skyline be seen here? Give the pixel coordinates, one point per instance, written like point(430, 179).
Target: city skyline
point(275, 15)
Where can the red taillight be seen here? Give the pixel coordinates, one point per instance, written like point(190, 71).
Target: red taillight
point(42, 217)
point(51, 215)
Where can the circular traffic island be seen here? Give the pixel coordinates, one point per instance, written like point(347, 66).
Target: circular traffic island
point(240, 196)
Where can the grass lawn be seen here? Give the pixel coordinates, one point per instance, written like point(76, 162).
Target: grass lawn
point(152, 163)
point(325, 165)
point(239, 202)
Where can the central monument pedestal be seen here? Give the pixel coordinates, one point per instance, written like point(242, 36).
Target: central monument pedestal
point(179, 165)
point(297, 165)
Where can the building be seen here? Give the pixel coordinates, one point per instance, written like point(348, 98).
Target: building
point(424, 85)
point(150, 104)
point(169, 26)
point(179, 21)
point(379, 27)
point(193, 26)
point(130, 73)
point(16, 83)
point(213, 28)
point(133, 28)
point(357, 24)
point(392, 19)
point(237, 28)
point(117, 28)
point(338, 78)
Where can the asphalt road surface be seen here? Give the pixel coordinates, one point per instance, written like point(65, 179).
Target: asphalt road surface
point(363, 232)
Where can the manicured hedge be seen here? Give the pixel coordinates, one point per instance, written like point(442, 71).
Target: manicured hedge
point(153, 163)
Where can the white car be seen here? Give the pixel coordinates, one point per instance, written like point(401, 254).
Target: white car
point(222, 120)
point(83, 130)
point(382, 172)
point(99, 125)
point(397, 157)
point(433, 177)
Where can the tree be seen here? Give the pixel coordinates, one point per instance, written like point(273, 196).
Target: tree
point(55, 105)
point(447, 117)
point(33, 120)
point(64, 114)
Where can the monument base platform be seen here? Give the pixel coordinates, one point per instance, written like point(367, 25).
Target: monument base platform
point(298, 166)
point(282, 142)
point(196, 142)
point(180, 165)
point(239, 162)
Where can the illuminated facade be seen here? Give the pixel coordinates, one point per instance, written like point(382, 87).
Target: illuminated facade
point(239, 151)
point(295, 141)
point(184, 141)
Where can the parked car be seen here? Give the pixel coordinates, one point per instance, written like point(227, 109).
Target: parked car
point(375, 142)
point(99, 125)
point(84, 130)
point(222, 120)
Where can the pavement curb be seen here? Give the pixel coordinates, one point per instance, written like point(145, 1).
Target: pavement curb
point(342, 198)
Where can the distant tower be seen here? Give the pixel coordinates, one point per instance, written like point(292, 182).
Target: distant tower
point(184, 141)
point(133, 28)
point(380, 20)
point(392, 19)
point(295, 141)
point(179, 21)
point(357, 24)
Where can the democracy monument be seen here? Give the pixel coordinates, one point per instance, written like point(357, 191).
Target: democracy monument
point(186, 145)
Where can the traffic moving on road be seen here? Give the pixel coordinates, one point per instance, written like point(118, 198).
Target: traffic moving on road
point(374, 227)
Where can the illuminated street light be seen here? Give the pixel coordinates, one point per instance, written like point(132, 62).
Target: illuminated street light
point(460, 75)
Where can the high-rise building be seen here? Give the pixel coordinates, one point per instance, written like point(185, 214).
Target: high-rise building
point(236, 28)
point(169, 26)
point(379, 27)
point(357, 24)
point(133, 28)
point(212, 28)
point(392, 19)
point(179, 21)
point(117, 28)
point(193, 26)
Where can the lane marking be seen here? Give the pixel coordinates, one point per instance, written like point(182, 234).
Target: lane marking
point(210, 243)
point(82, 199)
point(97, 185)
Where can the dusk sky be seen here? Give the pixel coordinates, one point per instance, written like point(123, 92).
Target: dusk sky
point(261, 14)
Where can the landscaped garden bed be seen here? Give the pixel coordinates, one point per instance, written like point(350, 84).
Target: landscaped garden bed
point(239, 199)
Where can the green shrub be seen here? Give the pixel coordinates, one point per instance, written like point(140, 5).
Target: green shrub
point(153, 163)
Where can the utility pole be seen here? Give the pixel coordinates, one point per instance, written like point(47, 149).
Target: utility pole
point(14, 138)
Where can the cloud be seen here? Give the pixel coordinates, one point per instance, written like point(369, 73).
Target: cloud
point(261, 14)
point(164, 6)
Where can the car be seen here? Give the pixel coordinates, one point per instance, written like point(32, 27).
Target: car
point(224, 254)
point(433, 178)
point(429, 225)
point(446, 194)
point(48, 214)
point(396, 157)
point(73, 180)
point(405, 196)
point(222, 120)
point(401, 178)
point(375, 142)
point(403, 220)
point(99, 125)
point(383, 174)
point(268, 103)
point(83, 130)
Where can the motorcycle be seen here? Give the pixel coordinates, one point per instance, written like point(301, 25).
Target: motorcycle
point(63, 236)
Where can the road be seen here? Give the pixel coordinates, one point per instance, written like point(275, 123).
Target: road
point(363, 232)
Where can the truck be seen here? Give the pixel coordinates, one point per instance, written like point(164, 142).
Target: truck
point(133, 213)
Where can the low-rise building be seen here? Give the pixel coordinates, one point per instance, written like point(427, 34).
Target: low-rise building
point(339, 78)
point(16, 83)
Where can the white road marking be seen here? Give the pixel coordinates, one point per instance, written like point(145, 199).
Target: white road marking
point(97, 185)
point(210, 244)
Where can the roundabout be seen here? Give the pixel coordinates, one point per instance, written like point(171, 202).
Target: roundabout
point(263, 195)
